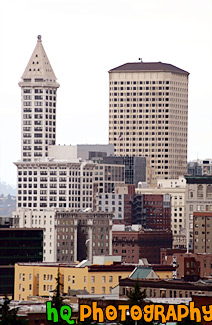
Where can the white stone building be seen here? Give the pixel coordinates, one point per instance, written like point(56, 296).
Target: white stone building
point(112, 202)
point(55, 184)
point(38, 99)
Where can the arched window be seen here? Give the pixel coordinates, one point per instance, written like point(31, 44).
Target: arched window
point(209, 192)
point(200, 191)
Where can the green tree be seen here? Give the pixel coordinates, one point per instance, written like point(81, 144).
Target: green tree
point(9, 316)
point(136, 297)
point(57, 300)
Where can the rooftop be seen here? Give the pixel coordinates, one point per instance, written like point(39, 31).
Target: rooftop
point(148, 66)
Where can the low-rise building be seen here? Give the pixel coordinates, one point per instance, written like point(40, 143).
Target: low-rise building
point(190, 266)
point(165, 288)
point(33, 279)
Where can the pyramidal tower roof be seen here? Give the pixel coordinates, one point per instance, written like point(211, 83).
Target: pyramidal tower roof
point(39, 66)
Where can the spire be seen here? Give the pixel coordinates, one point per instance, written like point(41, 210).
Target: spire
point(39, 65)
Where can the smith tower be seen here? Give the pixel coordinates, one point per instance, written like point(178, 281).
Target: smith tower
point(39, 93)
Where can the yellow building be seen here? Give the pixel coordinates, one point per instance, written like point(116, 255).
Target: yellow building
point(38, 279)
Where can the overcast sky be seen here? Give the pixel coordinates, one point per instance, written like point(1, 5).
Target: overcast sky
point(83, 40)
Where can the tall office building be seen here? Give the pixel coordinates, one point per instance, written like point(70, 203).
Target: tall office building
point(148, 115)
point(39, 88)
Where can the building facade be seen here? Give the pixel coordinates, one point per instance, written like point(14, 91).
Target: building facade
point(200, 167)
point(190, 266)
point(133, 243)
point(202, 232)
point(176, 188)
point(165, 288)
point(198, 199)
point(55, 184)
point(28, 218)
point(148, 115)
point(152, 211)
point(38, 279)
point(17, 245)
point(81, 235)
point(69, 236)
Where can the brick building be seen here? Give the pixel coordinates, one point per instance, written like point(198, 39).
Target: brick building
point(133, 243)
point(190, 266)
point(152, 211)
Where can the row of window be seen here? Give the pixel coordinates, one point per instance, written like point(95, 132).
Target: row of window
point(39, 91)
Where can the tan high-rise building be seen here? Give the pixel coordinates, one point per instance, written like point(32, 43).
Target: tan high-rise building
point(39, 88)
point(148, 115)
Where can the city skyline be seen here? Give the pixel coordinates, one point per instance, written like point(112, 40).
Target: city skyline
point(123, 28)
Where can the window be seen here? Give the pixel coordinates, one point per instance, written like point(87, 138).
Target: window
point(111, 278)
point(103, 279)
point(93, 279)
point(85, 279)
point(200, 191)
point(209, 192)
point(92, 290)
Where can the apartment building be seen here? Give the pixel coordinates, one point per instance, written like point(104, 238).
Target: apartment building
point(198, 199)
point(148, 114)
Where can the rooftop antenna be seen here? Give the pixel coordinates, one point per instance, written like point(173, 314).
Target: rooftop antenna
point(140, 59)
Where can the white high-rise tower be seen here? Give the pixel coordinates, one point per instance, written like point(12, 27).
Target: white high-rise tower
point(39, 89)
point(148, 115)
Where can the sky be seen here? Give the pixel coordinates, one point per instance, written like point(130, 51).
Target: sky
point(83, 40)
